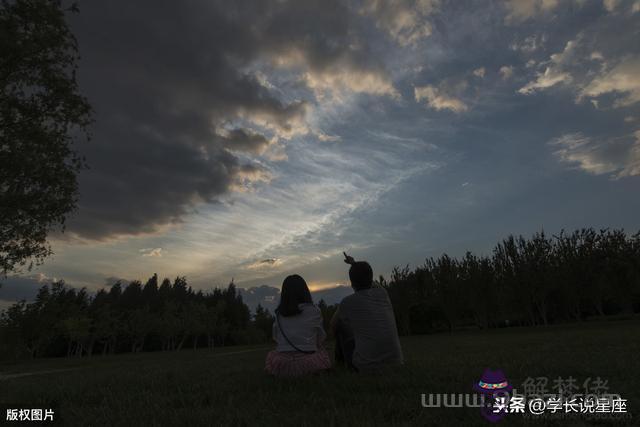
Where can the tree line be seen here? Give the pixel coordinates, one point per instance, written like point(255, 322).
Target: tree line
point(534, 281)
point(525, 282)
point(132, 318)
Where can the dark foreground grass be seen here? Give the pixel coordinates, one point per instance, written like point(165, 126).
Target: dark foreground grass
point(228, 386)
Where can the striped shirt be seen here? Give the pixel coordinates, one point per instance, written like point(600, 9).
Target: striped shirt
point(369, 315)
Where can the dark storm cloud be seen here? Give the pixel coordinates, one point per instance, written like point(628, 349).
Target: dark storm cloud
point(243, 140)
point(522, 106)
point(175, 100)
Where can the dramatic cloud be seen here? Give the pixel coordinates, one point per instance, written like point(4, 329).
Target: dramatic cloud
point(623, 80)
point(184, 112)
point(243, 140)
point(555, 72)
point(617, 156)
point(248, 176)
point(521, 10)
point(335, 81)
point(438, 99)
point(258, 138)
point(404, 20)
point(549, 78)
point(583, 66)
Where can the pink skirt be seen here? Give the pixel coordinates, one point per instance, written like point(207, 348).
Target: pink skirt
point(295, 364)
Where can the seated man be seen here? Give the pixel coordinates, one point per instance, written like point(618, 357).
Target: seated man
point(364, 324)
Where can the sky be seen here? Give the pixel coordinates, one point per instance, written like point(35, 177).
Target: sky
point(249, 140)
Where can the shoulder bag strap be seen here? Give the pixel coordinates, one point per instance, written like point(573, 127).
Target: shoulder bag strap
point(287, 338)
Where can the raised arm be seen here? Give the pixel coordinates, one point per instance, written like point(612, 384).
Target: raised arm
point(348, 258)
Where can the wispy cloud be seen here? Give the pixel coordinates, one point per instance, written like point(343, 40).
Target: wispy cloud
point(555, 72)
point(151, 252)
point(619, 157)
point(479, 72)
point(406, 22)
point(438, 99)
point(265, 263)
point(506, 71)
point(622, 80)
point(521, 10)
point(308, 128)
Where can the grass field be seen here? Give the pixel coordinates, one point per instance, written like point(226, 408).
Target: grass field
point(227, 386)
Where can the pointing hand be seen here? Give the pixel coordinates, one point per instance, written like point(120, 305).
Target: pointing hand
point(348, 258)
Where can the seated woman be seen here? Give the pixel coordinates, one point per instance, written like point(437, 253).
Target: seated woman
point(298, 332)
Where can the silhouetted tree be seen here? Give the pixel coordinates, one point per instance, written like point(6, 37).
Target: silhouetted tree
point(263, 322)
point(41, 115)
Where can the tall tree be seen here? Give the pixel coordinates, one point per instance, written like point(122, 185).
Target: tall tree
point(42, 115)
point(263, 321)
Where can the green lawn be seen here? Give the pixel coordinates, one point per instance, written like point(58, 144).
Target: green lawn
point(228, 386)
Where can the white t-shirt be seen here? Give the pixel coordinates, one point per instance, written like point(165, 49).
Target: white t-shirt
point(369, 315)
point(304, 330)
